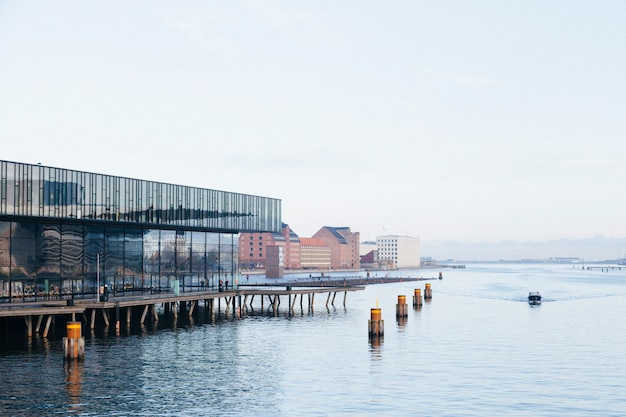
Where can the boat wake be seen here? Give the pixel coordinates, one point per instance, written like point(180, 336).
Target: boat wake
point(523, 299)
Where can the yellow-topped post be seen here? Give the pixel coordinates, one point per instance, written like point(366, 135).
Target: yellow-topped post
point(417, 297)
point(401, 307)
point(376, 326)
point(74, 343)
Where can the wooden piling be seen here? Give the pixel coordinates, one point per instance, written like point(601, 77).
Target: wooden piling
point(417, 297)
point(47, 327)
point(143, 315)
point(401, 307)
point(428, 292)
point(74, 343)
point(376, 326)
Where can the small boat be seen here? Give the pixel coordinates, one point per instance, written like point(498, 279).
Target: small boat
point(534, 298)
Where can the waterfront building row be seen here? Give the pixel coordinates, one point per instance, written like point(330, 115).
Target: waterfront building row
point(62, 231)
point(329, 248)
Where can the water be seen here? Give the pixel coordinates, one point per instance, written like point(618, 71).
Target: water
point(477, 349)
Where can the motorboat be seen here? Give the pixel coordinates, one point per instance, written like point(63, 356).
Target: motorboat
point(534, 298)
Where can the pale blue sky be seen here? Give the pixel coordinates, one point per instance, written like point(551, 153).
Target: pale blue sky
point(450, 120)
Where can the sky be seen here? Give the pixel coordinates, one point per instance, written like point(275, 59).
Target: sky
point(465, 121)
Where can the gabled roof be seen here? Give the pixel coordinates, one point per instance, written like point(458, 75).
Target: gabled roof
point(293, 237)
point(335, 231)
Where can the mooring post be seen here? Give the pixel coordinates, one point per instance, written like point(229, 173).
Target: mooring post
point(417, 298)
point(401, 307)
point(74, 343)
point(376, 326)
point(428, 292)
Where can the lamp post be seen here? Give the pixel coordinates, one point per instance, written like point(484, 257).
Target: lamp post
point(97, 277)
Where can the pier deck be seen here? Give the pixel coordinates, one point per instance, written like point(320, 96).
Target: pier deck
point(147, 306)
point(235, 301)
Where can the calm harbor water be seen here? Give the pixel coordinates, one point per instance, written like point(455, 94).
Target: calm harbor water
point(477, 349)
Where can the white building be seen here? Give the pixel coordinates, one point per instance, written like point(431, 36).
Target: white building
point(399, 251)
point(366, 247)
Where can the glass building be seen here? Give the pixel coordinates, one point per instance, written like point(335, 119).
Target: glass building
point(63, 231)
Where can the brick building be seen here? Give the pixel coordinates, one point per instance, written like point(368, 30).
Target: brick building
point(337, 243)
point(253, 248)
point(344, 246)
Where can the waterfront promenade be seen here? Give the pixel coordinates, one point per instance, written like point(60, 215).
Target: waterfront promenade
point(37, 317)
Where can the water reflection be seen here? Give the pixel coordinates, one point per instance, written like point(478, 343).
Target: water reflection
point(319, 364)
point(375, 347)
point(74, 383)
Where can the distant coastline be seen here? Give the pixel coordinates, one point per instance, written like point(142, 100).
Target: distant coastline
point(598, 249)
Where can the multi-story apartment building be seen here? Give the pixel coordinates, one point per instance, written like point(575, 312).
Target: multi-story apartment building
point(344, 246)
point(398, 251)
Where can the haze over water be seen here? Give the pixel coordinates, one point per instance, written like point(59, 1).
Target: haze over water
point(476, 349)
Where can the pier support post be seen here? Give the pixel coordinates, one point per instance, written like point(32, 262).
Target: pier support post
point(29, 325)
point(155, 314)
point(143, 315)
point(117, 318)
point(47, 328)
point(192, 307)
point(428, 292)
point(39, 321)
point(291, 306)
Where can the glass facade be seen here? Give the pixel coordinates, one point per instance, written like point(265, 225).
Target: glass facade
point(62, 230)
